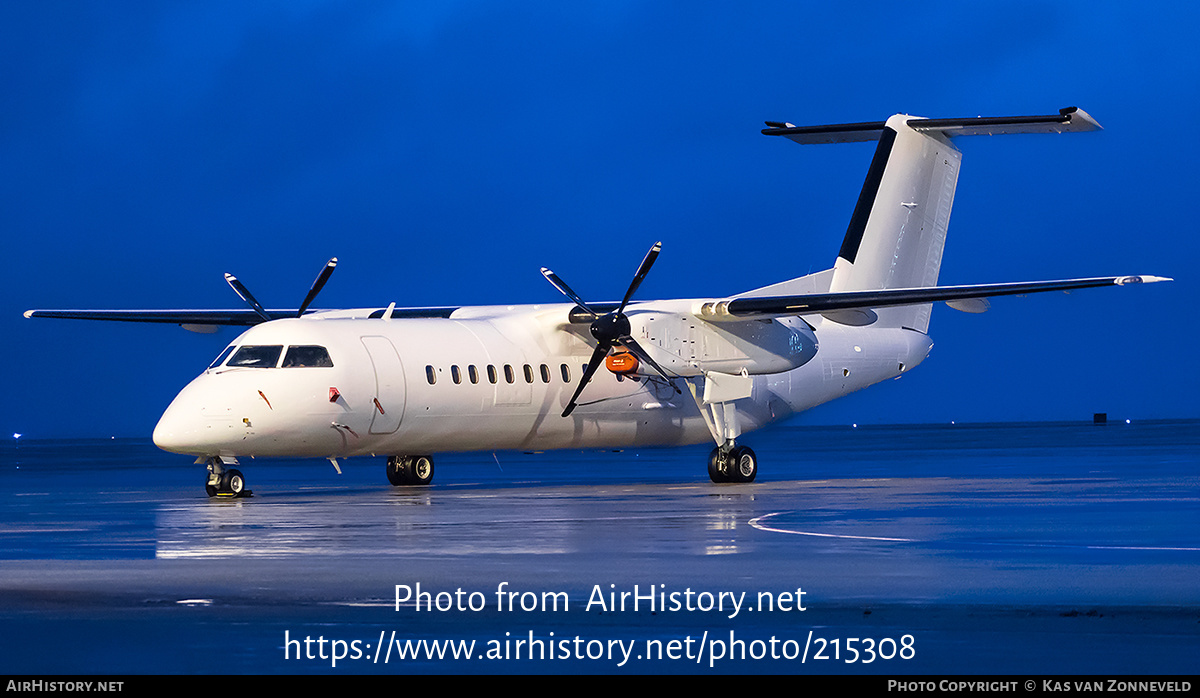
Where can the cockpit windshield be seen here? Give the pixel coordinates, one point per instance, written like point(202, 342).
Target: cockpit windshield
point(267, 356)
point(249, 356)
point(302, 356)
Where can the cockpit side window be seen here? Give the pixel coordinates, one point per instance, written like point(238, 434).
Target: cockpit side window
point(221, 359)
point(265, 356)
point(307, 356)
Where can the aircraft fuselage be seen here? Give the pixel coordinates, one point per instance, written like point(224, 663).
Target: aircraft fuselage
point(489, 378)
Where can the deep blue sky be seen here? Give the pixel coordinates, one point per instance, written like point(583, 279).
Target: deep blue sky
point(446, 150)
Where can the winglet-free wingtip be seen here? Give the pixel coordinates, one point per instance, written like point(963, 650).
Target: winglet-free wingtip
point(1144, 279)
point(1077, 113)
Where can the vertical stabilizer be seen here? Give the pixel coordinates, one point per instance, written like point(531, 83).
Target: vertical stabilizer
point(898, 230)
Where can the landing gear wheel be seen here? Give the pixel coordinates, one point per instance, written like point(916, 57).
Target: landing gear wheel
point(397, 469)
point(409, 470)
point(233, 483)
point(743, 465)
point(225, 483)
point(421, 472)
point(738, 465)
point(717, 466)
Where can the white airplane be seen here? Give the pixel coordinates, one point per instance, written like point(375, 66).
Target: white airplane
point(409, 382)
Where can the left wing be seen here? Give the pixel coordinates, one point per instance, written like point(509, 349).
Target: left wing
point(175, 317)
point(202, 320)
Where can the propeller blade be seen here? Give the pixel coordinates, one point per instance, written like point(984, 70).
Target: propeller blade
point(631, 344)
point(564, 289)
point(317, 285)
point(644, 269)
point(593, 364)
point(244, 294)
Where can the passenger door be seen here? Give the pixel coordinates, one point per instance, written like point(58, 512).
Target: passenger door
point(388, 401)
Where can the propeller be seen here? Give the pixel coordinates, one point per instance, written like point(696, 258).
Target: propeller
point(244, 293)
point(610, 329)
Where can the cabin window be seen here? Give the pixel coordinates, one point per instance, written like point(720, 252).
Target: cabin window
point(528, 373)
point(473, 374)
point(545, 373)
point(265, 356)
point(508, 374)
point(491, 374)
point(455, 375)
point(430, 375)
point(304, 356)
point(566, 373)
point(221, 359)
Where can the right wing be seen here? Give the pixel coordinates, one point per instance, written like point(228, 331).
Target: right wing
point(775, 306)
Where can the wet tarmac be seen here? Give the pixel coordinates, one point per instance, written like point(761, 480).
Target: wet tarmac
point(1013, 549)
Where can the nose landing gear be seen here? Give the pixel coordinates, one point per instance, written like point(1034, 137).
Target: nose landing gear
point(225, 482)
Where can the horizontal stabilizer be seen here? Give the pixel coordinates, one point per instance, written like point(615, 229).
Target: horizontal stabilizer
point(776, 306)
point(830, 133)
point(1068, 120)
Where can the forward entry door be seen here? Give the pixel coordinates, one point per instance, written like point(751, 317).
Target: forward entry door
point(388, 401)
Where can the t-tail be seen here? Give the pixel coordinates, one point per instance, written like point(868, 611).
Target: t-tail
point(898, 229)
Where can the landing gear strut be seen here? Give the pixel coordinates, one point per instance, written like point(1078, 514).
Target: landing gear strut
point(716, 395)
point(225, 482)
point(730, 463)
point(409, 470)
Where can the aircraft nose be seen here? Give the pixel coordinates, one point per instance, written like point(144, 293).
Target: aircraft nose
point(182, 427)
point(172, 433)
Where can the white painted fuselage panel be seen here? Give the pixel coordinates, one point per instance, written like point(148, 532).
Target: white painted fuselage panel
point(501, 381)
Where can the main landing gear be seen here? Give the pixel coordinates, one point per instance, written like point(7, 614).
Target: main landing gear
point(730, 463)
point(409, 470)
point(225, 482)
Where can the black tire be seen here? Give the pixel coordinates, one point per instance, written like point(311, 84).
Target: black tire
point(409, 470)
point(210, 490)
point(743, 464)
point(397, 470)
point(232, 482)
point(420, 471)
point(717, 469)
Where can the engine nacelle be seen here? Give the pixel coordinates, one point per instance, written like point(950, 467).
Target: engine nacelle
point(621, 363)
point(690, 346)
